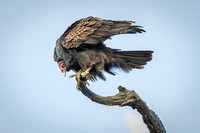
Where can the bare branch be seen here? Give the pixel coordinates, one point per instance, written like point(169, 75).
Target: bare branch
point(125, 98)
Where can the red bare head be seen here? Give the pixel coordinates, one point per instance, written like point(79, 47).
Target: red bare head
point(62, 67)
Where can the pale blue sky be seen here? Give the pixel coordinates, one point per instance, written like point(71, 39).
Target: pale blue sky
point(36, 98)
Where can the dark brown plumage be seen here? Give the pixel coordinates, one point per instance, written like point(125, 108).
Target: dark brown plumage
point(81, 46)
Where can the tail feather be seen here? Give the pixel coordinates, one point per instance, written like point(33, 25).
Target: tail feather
point(127, 60)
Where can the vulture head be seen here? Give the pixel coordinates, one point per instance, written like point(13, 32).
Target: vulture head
point(63, 58)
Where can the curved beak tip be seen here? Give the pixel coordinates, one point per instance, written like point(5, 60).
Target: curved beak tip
point(64, 74)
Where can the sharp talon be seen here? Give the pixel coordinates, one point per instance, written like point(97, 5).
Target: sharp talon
point(72, 76)
point(87, 83)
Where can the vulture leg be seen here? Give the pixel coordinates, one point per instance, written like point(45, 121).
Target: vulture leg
point(86, 72)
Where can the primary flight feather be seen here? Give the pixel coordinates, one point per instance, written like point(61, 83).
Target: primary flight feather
point(81, 47)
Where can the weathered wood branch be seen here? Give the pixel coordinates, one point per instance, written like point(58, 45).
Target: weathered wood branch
point(125, 98)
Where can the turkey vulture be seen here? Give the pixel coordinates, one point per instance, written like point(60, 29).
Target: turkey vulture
point(81, 47)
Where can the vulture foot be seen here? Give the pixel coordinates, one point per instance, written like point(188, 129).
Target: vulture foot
point(82, 76)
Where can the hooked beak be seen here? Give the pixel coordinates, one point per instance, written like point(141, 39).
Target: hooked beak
point(62, 67)
point(64, 74)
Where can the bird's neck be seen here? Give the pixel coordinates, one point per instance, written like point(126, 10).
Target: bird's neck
point(65, 55)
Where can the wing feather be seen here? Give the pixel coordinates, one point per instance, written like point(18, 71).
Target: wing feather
point(92, 30)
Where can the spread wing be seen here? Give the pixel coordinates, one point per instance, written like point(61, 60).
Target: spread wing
point(92, 30)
